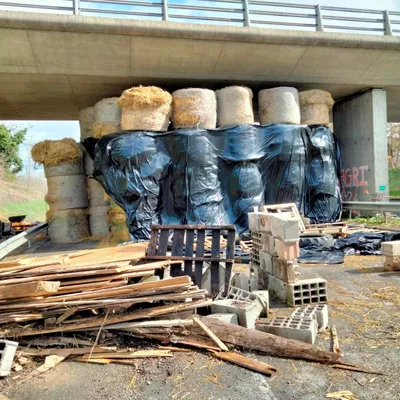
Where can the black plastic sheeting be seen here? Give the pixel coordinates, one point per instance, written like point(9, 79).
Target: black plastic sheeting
point(198, 176)
point(319, 250)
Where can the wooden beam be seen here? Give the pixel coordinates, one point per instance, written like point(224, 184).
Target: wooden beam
point(29, 289)
point(211, 335)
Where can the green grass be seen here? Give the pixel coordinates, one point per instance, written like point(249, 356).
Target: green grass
point(394, 182)
point(34, 210)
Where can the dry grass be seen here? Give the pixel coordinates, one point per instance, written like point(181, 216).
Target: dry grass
point(53, 152)
point(116, 216)
point(144, 97)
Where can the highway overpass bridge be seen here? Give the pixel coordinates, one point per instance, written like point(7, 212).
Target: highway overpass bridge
point(53, 65)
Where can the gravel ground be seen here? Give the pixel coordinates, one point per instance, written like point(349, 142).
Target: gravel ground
point(364, 304)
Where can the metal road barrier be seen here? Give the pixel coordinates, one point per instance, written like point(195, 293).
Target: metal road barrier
point(226, 12)
point(382, 207)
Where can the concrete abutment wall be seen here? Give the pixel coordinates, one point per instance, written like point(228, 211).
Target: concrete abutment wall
point(360, 126)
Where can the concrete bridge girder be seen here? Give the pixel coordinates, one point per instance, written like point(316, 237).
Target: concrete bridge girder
point(51, 66)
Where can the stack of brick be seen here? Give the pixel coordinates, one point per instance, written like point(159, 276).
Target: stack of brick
point(274, 260)
point(391, 251)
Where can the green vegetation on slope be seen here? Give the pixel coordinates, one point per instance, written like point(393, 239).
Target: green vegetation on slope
point(34, 210)
point(394, 182)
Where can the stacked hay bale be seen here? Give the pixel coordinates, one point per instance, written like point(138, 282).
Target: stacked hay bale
point(315, 107)
point(235, 106)
point(279, 105)
point(86, 120)
point(97, 210)
point(107, 117)
point(66, 196)
point(145, 108)
point(116, 218)
point(194, 108)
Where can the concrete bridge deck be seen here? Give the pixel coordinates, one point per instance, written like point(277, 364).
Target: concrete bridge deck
point(51, 66)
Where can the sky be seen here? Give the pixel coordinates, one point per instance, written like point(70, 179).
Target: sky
point(41, 130)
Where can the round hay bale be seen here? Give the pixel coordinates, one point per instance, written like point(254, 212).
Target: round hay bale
point(116, 216)
point(98, 221)
point(235, 106)
point(63, 169)
point(101, 129)
point(145, 108)
point(279, 105)
point(68, 226)
point(86, 120)
point(107, 110)
point(66, 192)
point(96, 194)
point(87, 164)
point(53, 152)
point(315, 106)
point(194, 108)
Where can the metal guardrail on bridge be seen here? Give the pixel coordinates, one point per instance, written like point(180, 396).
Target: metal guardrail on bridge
point(227, 12)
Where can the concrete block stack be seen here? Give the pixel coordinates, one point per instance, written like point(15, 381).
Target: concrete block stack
point(391, 251)
point(274, 260)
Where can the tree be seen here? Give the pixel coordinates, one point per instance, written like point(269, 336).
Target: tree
point(10, 140)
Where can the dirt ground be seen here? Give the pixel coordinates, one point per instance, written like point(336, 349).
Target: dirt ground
point(364, 305)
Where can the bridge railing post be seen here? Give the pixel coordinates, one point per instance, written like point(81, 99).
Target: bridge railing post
point(318, 19)
point(77, 7)
point(246, 13)
point(165, 10)
point(387, 24)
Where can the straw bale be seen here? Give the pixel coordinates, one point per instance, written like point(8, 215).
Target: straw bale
point(66, 192)
point(86, 120)
point(68, 226)
point(53, 152)
point(148, 97)
point(98, 221)
point(116, 216)
point(63, 169)
point(107, 110)
point(235, 106)
point(101, 129)
point(194, 108)
point(146, 119)
point(96, 193)
point(279, 105)
point(315, 107)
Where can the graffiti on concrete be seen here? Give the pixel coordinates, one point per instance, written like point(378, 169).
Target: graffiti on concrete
point(351, 180)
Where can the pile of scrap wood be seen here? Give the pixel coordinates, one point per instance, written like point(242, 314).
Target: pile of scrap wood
point(70, 292)
point(75, 305)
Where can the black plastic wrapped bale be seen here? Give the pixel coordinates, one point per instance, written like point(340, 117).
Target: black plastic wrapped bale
point(215, 177)
point(324, 203)
point(132, 167)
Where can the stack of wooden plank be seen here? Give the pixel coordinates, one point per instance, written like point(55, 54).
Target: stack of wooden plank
point(84, 285)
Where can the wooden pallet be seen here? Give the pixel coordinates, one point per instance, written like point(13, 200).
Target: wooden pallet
point(339, 228)
point(285, 209)
point(183, 248)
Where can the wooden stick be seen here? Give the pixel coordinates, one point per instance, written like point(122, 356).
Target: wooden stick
point(355, 368)
point(132, 354)
point(211, 335)
point(246, 362)
point(335, 340)
point(66, 315)
point(74, 352)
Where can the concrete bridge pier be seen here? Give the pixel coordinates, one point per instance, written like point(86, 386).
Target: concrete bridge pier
point(360, 126)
